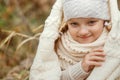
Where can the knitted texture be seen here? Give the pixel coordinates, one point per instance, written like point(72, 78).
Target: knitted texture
point(46, 66)
point(111, 48)
point(86, 9)
point(72, 52)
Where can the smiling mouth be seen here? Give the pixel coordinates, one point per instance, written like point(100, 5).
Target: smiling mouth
point(85, 37)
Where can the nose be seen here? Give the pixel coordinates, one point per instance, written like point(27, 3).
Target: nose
point(83, 31)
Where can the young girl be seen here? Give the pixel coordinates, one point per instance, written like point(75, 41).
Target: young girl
point(77, 52)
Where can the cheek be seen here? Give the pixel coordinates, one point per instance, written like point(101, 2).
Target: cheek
point(72, 31)
point(98, 31)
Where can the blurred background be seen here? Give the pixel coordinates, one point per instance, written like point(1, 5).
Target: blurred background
point(21, 22)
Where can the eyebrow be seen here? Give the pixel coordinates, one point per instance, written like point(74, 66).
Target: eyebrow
point(93, 18)
point(87, 19)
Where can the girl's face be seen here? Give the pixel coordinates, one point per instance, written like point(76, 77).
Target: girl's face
point(85, 30)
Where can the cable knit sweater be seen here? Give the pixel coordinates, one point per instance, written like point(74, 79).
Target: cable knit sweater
point(46, 63)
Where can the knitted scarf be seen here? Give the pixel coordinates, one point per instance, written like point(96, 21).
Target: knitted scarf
point(72, 52)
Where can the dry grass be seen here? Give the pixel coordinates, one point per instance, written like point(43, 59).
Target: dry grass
point(16, 53)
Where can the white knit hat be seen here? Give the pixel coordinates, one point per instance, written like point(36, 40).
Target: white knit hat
point(86, 9)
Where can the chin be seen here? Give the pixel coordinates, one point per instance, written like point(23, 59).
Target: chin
point(86, 42)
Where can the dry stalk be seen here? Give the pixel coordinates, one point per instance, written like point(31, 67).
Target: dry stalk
point(13, 34)
point(25, 41)
point(38, 28)
point(7, 39)
point(17, 34)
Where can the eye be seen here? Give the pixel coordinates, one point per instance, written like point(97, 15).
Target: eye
point(91, 23)
point(74, 24)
